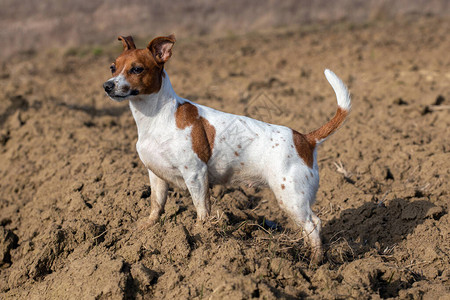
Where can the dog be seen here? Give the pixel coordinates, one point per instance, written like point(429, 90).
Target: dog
point(194, 147)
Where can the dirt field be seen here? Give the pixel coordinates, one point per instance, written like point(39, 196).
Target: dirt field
point(73, 188)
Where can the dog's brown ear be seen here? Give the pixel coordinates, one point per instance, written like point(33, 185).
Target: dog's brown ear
point(161, 48)
point(127, 42)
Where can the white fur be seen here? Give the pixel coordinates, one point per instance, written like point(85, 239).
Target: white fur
point(342, 94)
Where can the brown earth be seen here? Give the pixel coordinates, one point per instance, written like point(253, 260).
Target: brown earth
point(73, 187)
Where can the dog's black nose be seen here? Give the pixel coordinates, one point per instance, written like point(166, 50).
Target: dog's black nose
point(108, 86)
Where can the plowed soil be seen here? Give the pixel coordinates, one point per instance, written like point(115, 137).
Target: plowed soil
point(73, 188)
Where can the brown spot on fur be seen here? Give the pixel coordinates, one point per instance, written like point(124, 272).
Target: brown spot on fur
point(202, 134)
point(235, 153)
point(276, 145)
point(242, 164)
point(185, 167)
point(304, 148)
point(282, 186)
point(284, 178)
point(239, 146)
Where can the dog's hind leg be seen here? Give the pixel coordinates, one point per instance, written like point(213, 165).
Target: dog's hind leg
point(312, 230)
point(198, 186)
point(295, 200)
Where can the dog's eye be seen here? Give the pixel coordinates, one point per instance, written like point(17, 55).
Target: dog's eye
point(136, 70)
point(113, 68)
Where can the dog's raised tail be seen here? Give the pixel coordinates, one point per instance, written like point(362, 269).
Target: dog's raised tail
point(344, 104)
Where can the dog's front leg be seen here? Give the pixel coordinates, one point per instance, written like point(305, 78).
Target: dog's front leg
point(158, 198)
point(198, 186)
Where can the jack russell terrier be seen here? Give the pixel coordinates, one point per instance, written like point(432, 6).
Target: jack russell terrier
point(193, 146)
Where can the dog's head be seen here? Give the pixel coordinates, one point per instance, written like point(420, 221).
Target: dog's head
point(139, 71)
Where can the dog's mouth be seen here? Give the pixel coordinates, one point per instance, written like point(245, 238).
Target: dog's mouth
point(119, 97)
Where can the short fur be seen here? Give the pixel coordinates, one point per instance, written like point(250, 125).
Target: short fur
point(193, 146)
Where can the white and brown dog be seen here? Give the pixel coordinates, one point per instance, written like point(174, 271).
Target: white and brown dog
point(193, 146)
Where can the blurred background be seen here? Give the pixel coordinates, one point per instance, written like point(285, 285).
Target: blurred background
point(31, 25)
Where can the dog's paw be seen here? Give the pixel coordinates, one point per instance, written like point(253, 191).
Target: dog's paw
point(205, 221)
point(316, 257)
point(146, 223)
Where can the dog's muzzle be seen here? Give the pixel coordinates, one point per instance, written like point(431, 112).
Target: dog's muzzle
point(117, 92)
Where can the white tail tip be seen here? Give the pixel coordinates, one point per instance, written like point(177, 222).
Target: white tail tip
point(342, 94)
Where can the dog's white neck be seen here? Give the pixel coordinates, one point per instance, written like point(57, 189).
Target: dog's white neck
point(148, 109)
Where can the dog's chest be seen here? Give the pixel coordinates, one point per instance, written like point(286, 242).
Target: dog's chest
point(157, 154)
point(158, 146)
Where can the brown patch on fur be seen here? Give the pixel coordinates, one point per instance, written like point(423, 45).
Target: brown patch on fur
point(305, 144)
point(282, 186)
point(235, 153)
point(284, 178)
point(202, 134)
point(304, 148)
point(242, 164)
point(329, 127)
point(147, 82)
